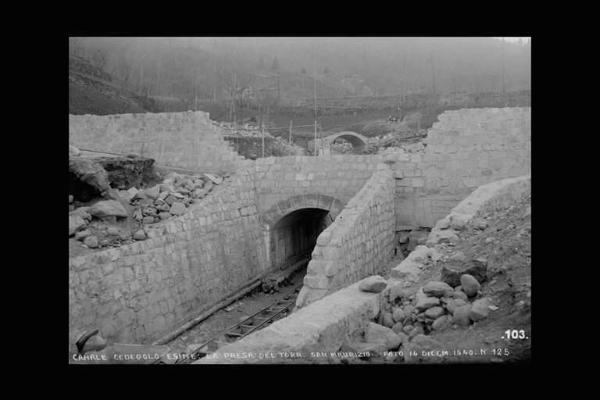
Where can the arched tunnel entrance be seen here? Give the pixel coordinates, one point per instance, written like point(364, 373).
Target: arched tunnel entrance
point(294, 236)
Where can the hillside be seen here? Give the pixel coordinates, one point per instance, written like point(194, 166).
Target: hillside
point(91, 91)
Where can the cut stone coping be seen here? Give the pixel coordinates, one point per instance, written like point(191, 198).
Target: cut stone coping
point(321, 326)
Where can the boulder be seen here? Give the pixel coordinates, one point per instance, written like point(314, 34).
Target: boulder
point(480, 309)
point(139, 235)
point(170, 199)
point(177, 208)
point(398, 314)
point(386, 338)
point(461, 315)
point(113, 231)
point(148, 219)
point(459, 294)
point(91, 173)
point(372, 284)
point(469, 285)
point(437, 289)
point(108, 208)
point(441, 323)
point(91, 242)
point(82, 234)
point(153, 192)
point(397, 328)
point(387, 320)
point(434, 312)
point(452, 304)
point(424, 302)
point(164, 215)
point(81, 212)
point(76, 223)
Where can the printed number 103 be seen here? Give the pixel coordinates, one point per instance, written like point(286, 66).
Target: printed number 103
point(515, 334)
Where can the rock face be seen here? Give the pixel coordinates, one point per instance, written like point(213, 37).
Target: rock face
point(108, 208)
point(469, 284)
point(373, 284)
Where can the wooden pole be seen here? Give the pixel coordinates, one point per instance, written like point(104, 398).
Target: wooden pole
point(291, 122)
point(263, 141)
point(315, 102)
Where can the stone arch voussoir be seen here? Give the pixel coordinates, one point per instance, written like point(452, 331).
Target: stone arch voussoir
point(293, 203)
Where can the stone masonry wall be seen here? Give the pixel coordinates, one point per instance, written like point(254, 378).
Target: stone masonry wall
point(358, 243)
point(465, 149)
point(184, 140)
point(138, 292)
point(338, 176)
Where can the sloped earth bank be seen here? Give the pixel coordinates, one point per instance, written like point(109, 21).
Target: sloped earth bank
point(495, 247)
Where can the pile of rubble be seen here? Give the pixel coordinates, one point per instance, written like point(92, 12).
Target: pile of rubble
point(120, 220)
point(406, 318)
point(170, 198)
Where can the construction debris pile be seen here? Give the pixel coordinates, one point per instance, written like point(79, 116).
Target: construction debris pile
point(170, 198)
point(480, 282)
point(121, 220)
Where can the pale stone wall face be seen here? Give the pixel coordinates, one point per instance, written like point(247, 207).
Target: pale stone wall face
point(465, 149)
point(338, 176)
point(138, 292)
point(184, 140)
point(358, 243)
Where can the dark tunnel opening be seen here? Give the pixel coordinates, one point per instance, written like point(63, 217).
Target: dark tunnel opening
point(294, 236)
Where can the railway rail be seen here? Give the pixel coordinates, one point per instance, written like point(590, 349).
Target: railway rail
point(256, 321)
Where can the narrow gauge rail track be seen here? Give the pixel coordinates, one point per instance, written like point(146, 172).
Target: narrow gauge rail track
point(256, 321)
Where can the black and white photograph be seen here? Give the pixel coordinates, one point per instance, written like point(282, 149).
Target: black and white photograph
point(320, 200)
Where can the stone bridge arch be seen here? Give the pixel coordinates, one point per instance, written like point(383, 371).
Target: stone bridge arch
point(291, 226)
point(358, 141)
